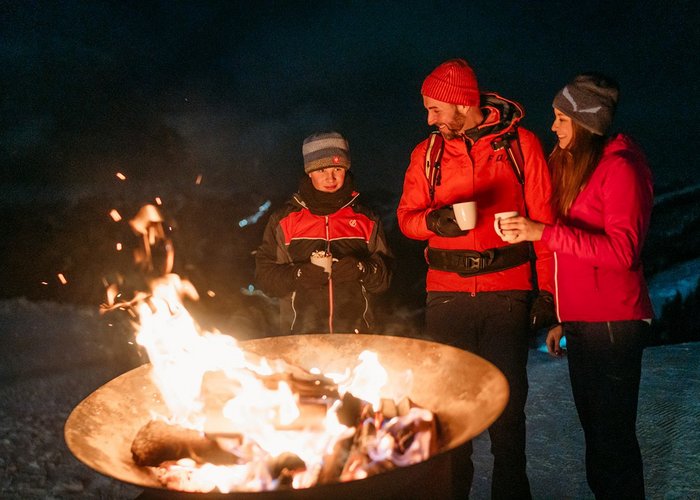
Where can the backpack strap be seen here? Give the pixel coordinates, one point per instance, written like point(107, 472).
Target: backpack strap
point(510, 143)
point(433, 156)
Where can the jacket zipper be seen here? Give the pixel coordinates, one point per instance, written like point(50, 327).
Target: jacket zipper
point(328, 250)
point(330, 279)
point(364, 313)
point(294, 310)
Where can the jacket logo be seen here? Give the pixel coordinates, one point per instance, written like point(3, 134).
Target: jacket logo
point(352, 222)
point(566, 94)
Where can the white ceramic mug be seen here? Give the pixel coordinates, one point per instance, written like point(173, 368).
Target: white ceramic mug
point(323, 260)
point(465, 214)
point(497, 223)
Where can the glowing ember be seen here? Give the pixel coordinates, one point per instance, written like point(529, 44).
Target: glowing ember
point(120, 176)
point(115, 215)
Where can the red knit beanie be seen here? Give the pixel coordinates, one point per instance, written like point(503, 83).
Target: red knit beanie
point(453, 82)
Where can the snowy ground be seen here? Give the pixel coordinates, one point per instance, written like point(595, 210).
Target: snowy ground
point(55, 355)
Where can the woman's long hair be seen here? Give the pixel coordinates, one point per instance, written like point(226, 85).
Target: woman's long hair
point(572, 167)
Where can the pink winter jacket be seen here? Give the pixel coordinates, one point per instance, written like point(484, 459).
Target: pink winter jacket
point(599, 275)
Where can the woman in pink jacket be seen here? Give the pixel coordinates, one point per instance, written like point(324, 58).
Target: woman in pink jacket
point(602, 195)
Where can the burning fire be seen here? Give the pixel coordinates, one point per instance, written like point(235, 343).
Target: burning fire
point(276, 424)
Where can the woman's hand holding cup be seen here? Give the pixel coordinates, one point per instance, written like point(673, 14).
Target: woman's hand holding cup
point(516, 228)
point(505, 234)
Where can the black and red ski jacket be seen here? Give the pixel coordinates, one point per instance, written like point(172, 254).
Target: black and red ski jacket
point(292, 234)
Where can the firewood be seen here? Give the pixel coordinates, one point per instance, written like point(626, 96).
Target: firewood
point(158, 441)
point(334, 462)
point(284, 466)
point(404, 406)
point(351, 410)
point(388, 408)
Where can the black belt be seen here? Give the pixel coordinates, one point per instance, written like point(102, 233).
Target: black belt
point(473, 263)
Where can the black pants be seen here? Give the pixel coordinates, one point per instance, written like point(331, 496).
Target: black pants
point(493, 325)
point(605, 363)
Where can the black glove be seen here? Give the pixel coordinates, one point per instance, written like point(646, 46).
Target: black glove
point(348, 269)
point(310, 275)
point(442, 222)
point(542, 312)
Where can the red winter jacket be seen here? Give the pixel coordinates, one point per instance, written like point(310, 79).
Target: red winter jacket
point(477, 172)
point(599, 274)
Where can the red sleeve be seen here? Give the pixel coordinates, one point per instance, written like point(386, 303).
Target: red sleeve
point(415, 199)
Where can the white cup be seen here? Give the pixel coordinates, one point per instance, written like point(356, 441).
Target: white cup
point(322, 259)
point(497, 224)
point(465, 214)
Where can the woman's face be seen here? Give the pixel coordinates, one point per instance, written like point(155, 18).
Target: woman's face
point(563, 127)
point(328, 179)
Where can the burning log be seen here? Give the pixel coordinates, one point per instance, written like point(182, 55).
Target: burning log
point(158, 442)
point(334, 463)
point(397, 435)
point(284, 466)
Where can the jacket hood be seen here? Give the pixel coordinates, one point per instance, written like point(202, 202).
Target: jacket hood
point(621, 142)
point(501, 116)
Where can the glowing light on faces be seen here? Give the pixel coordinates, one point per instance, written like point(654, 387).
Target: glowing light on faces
point(448, 118)
point(563, 127)
point(328, 180)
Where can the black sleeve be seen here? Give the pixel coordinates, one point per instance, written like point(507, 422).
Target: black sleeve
point(380, 261)
point(274, 270)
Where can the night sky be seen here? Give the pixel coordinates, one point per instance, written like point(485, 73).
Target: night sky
point(166, 91)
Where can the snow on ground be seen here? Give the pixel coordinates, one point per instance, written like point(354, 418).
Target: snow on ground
point(55, 355)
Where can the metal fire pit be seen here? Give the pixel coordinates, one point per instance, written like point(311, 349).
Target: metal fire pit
point(465, 392)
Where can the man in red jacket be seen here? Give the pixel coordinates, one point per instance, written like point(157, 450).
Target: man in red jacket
point(479, 288)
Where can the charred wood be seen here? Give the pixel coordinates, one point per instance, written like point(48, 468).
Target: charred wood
point(158, 442)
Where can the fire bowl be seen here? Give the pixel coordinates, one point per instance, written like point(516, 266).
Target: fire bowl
point(466, 392)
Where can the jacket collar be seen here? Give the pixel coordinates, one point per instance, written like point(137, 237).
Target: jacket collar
point(501, 115)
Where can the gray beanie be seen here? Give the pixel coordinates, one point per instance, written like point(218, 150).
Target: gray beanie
point(590, 100)
point(325, 149)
